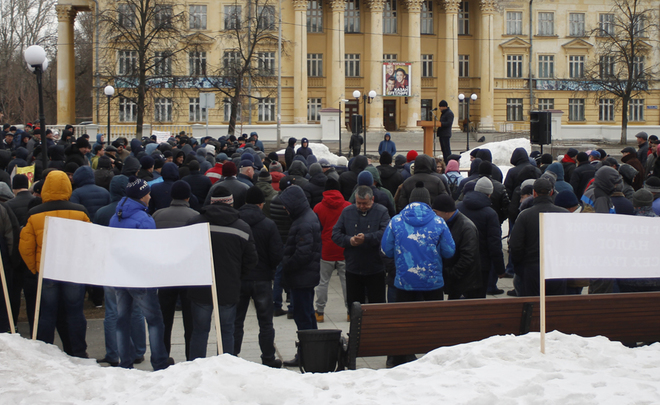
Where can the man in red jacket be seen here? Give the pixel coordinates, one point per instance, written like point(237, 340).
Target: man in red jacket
point(332, 255)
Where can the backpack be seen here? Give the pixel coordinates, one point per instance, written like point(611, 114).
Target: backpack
point(453, 182)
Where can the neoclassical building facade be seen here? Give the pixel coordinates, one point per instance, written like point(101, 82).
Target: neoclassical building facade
point(516, 56)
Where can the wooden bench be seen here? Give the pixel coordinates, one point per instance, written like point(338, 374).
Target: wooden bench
point(419, 327)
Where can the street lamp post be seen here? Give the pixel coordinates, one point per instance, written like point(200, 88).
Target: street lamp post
point(366, 99)
point(109, 91)
point(35, 56)
point(473, 97)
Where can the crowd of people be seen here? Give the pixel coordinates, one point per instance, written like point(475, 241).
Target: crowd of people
point(406, 228)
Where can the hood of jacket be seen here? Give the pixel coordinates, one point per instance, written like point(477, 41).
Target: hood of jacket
point(251, 214)
point(627, 172)
point(417, 214)
point(57, 187)
point(56, 152)
point(129, 207)
point(170, 172)
point(292, 142)
point(374, 173)
point(220, 214)
point(136, 146)
point(476, 200)
point(98, 138)
point(83, 176)
point(360, 162)
point(304, 140)
point(474, 166)
point(386, 171)
point(485, 155)
point(5, 158)
point(294, 200)
point(606, 179)
point(333, 199)
point(424, 164)
point(22, 153)
point(519, 157)
point(558, 169)
point(298, 168)
point(387, 137)
point(118, 187)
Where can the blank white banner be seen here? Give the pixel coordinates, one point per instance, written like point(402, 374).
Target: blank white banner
point(85, 253)
point(600, 246)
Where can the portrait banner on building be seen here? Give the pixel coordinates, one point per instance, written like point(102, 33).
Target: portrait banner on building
point(396, 79)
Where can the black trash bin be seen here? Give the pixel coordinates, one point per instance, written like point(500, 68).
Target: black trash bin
point(319, 350)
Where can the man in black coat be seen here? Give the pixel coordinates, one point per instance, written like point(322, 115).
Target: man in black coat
point(643, 145)
point(524, 243)
point(520, 159)
point(444, 129)
point(234, 254)
point(462, 273)
point(283, 221)
point(257, 283)
point(390, 177)
point(582, 174)
point(199, 183)
point(424, 172)
point(301, 264)
point(348, 179)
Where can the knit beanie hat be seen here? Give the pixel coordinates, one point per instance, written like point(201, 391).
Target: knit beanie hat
point(180, 190)
point(264, 175)
point(331, 184)
point(20, 181)
point(485, 168)
point(273, 157)
point(255, 196)
point(385, 158)
point(444, 203)
point(147, 162)
point(193, 166)
point(365, 179)
point(222, 195)
point(420, 194)
point(276, 167)
point(452, 166)
point(315, 169)
point(572, 152)
point(400, 160)
point(229, 169)
point(642, 198)
point(37, 186)
point(131, 166)
point(137, 188)
point(484, 185)
point(104, 163)
point(566, 199)
point(411, 156)
point(582, 157)
point(652, 184)
point(285, 182)
point(546, 158)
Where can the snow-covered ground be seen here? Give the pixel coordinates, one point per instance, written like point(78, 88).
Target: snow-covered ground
point(499, 370)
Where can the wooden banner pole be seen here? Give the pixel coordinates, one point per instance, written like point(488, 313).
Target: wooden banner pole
point(542, 281)
point(214, 293)
point(6, 292)
point(37, 307)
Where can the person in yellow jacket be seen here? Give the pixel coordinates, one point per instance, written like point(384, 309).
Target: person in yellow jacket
point(55, 194)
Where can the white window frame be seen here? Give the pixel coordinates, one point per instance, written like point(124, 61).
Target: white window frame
point(546, 23)
point(576, 25)
point(607, 66)
point(514, 66)
point(197, 13)
point(266, 18)
point(606, 24)
point(126, 15)
point(313, 109)
point(315, 64)
point(233, 17)
point(266, 109)
point(352, 17)
point(163, 15)
point(636, 110)
point(576, 109)
point(197, 63)
point(315, 16)
point(266, 63)
point(162, 109)
point(390, 20)
point(126, 62)
point(230, 59)
point(463, 18)
point(514, 25)
point(352, 64)
point(195, 112)
point(427, 65)
point(606, 109)
point(163, 63)
point(576, 66)
point(390, 57)
point(638, 67)
point(546, 68)
point(514, 109)
point(463, 65)
point(426, 19)
point(546, 104)
point(127, 110)
point(227, 110)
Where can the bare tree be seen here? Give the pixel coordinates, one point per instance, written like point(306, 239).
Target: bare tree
point(248, 65)
point(623, 64)
point(144, 38)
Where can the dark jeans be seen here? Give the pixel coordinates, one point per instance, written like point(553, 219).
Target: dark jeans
point(303, 308)
point(71, 298)
point(365, 288)
point(260, 292)
point(147, 300)
point(201, 314)
point(277, 289)
point(446, 148)
point(138, 333)
point(167, 297)
point(412, 296)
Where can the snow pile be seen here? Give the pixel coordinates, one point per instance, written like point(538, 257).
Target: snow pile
point(501, 369)
point(501, 151)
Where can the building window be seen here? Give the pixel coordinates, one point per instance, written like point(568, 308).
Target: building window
point(389, 17)
point(576, 109)
point(462, 109)
point(352, 64)
point(463, 18)
point(606, 24)
point(546, 66)
point(546, 24)
point(352, 16)
point(639, 26)
point(266, 63)
point(576, 67)
point(427, 107)
point(315, 64)
point(638, 67)
point(427, 65)
point(266, 18)
point(233, 17)
point(197, 113)
point(389, 57)
point(463, 65)
point(636, 110)
point(163, 63)
point(315, 16)
point(230, 61)
point(127, 63)
point(606, 109)
point(606, 67)
point(126, 15)
point(227, 110)
point(514, 22)
point(197, 17)
point(576, 24)
point(197, 63)
point(127, 110)
point(426, 26)
point(163, 16)
point(267, 109)
point(313, 109)
point(514, 66)
point(546, 104)
point(514, 109)
point(163, 109)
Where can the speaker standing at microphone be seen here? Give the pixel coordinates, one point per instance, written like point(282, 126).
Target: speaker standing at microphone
point(444, 129)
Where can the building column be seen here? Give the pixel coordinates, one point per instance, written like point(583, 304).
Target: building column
point(449, 48)
point(337, 86)
point(486, 66)
point(300, 62)
point(375, 62)
point(66, 66)
point(415, 57)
